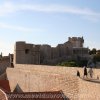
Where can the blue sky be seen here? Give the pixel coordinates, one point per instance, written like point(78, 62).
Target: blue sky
point(48, 22)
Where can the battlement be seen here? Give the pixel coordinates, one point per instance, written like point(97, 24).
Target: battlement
point(76, 41)
point(76, 38)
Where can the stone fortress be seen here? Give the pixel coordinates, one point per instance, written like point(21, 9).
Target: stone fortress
point(31, 77)
point(45, 54)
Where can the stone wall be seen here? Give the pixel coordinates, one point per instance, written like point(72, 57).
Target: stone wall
point(76, 41)
point(26, 53)
point(53, 78)
point(89, 90)
point(38, 78)
point(45, 54)
point(4, 63)
point(57, 69)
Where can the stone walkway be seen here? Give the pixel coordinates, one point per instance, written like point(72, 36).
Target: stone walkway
point(91, 80)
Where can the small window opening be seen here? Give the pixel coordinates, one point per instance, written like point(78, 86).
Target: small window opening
point(26, 51)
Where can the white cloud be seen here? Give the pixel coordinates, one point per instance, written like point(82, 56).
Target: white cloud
point(9, 7)
point(6, 8)
point(20, 28)
point(59, 9)
point(93, 18)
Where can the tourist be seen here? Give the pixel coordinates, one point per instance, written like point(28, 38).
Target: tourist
point(78, 73)
point(90, 72)
point(85, 71)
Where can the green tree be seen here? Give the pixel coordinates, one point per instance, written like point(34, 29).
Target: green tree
point(96, 57)
point(93, 51)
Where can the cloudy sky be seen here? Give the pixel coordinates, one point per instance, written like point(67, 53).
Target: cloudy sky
point(48, 22)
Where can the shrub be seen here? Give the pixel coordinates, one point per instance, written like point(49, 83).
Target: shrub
point(73, 63)
point(68, 63)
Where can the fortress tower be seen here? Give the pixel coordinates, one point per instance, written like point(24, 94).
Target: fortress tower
point(76, 41)
point(26, 53)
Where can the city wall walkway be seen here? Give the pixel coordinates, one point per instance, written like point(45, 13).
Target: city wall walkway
point(53, 78)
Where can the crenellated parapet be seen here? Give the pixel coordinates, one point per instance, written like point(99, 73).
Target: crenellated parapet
point(76, 41)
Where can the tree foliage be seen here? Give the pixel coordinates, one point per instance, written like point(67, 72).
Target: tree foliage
point(96, 58)
point(93, 51)
point(73, 63)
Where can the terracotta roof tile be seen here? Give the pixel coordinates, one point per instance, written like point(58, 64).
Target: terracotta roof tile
point(2, 95)
point(4, 85)
point(56, 95)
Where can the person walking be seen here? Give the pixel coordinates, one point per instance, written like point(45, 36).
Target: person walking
point(78, 73)
point(91, 72)
point(85, 72)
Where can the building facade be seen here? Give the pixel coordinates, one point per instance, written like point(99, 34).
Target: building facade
point(45, 54)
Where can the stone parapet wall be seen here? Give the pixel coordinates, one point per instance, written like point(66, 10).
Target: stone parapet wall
point(57, 69)
point(88, 90)
point(38, 80)
point(53, 78)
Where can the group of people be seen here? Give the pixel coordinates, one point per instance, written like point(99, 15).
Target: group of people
point(90, 72)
